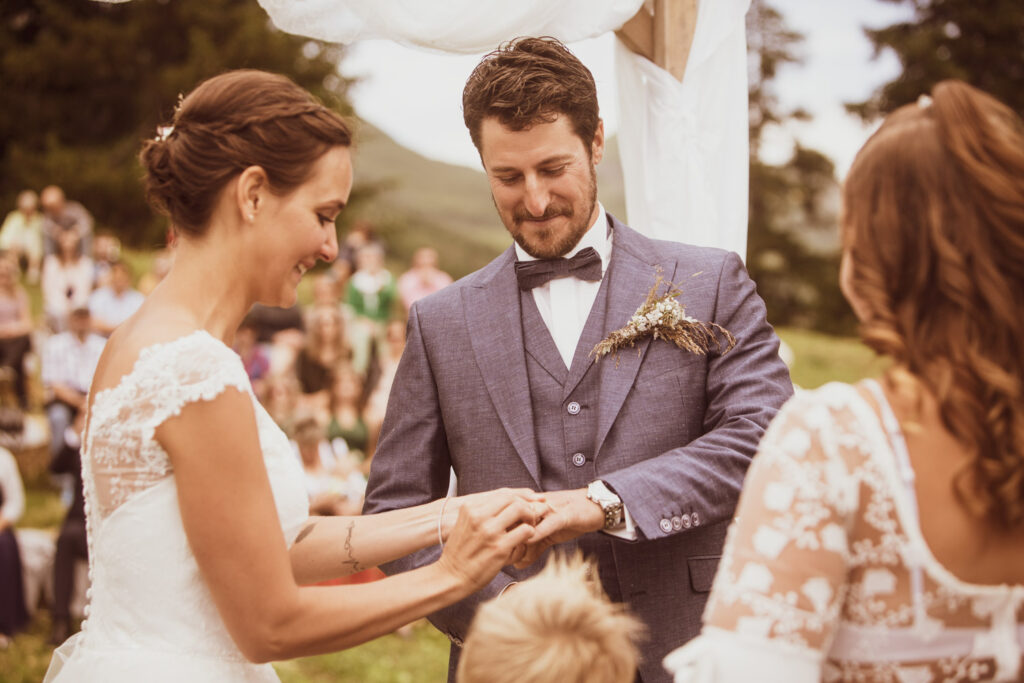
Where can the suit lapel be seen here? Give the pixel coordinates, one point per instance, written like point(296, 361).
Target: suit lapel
point(538, 341)
point(494, 320)
point(630, 274)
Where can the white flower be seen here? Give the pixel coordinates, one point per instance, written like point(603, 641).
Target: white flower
point(778, 496)
point(819, 592)
point(769, 542)
point(756, 577)
point(878, 581)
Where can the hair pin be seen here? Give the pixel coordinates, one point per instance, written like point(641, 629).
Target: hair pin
point(163, 132)
point(924, 101)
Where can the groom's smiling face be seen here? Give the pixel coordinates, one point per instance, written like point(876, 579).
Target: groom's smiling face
point(543, 181)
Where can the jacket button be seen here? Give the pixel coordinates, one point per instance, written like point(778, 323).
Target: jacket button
point(579, 459)
point(695, 519)
point(686, 521)
point(677, 523)
point(573, 408)
point(666, 525)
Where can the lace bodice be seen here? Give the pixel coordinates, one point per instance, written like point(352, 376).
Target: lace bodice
point(827, 574)
point(151, 616)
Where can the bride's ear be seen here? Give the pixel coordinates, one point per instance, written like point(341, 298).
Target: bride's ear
point(252, 186)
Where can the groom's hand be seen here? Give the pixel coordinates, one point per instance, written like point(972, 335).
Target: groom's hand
point(572, 514)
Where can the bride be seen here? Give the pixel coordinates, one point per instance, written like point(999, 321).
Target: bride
point(200, 549)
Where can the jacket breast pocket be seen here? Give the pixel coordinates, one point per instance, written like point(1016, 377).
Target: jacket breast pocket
point(702, 572)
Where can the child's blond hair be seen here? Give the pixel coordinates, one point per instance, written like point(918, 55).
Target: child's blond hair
point(557, 627)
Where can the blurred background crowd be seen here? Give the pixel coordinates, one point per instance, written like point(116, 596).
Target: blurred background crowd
point(322, 369)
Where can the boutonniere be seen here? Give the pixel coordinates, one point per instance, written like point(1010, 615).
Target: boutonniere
point(663, 317)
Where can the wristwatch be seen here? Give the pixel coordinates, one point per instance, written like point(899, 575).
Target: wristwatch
point(609, 501)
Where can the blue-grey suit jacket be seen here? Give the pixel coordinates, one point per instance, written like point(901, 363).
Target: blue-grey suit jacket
point(676, 430)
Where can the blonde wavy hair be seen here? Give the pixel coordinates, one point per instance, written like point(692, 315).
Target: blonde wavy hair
point(556, 627)
point(934, 231)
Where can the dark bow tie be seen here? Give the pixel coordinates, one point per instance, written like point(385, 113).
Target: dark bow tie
point(586, 265)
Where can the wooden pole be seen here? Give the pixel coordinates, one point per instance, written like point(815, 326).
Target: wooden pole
point(663, 33)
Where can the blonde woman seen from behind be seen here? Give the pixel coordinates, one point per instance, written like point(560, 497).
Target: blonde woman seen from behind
point(880, 534)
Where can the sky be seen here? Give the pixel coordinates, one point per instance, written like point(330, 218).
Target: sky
point(415, 96)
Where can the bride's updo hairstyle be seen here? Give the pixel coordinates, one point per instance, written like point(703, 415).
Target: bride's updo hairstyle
point(228, 123)
point(934, 228)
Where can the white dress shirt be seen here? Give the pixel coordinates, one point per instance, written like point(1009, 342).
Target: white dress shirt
point(565, 303)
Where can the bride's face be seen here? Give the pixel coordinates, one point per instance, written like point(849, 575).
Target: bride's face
point(298, 228)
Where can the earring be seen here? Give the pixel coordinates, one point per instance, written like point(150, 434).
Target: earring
point(252, 217)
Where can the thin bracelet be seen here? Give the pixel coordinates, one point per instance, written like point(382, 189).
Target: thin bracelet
point(440, 519)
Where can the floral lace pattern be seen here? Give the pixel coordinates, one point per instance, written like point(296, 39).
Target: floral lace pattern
point(124, 458)
point(836, 565)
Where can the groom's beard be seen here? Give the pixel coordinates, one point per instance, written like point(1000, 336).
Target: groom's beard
point(552, 242)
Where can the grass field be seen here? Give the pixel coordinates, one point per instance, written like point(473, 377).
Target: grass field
point(423, 654)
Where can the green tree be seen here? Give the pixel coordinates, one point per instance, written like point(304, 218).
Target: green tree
point(84, 82)
point(791, 226)
point(977, 41)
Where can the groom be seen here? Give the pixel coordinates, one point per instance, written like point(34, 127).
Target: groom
point(643, 454)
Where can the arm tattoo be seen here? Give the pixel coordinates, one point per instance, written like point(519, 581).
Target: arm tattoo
point(351, 561)
point(306, 531)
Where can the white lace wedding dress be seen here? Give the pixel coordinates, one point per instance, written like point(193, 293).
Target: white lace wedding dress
point(151, 617)
point(827, 576)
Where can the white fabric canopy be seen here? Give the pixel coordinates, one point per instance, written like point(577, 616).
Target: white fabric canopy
point(468, 26)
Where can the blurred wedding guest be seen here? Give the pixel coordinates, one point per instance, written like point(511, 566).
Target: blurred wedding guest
point(346, 420)
point(283, 330)
point(106, 251)
point(423, 278)
point(280, 398)
point(22, 234)
point(359, 235)
point(370, 295)
point(555, 627)
point(15, 327)
point(254, 358)
point(71, 542)
point(159, 268)
point(325, 348)
point(387, 365)
point(371, 289)
point(13, 613)
point(69, 361)
point(325, 290)
point(334, 485)
point(114, 303)
point(62, 215)
point(880, 531)
point(67, 281)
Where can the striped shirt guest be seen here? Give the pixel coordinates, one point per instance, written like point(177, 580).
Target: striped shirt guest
point(69, 361)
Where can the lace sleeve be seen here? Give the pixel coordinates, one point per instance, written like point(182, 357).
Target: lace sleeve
point(123, 456)
point(783, 577)
point(198, 370)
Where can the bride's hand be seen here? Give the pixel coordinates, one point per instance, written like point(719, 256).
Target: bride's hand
point(453, 505)
point(488, 534)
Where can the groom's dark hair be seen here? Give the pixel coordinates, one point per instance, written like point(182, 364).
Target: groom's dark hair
point(528, 81)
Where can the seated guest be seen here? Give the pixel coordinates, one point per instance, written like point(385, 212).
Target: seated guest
point(15, 327)
point(334, 485)
point(423, 278)
point(254, 358)
point(63, 216)
point(111, 305)
point(555, 627)
point(71, 543)
point(69, 361)
point(13, 614)
point(880, 532)
point(67, 281)
point(106, 251)
point(346, 421)
point(325, 348)
point(22, 234)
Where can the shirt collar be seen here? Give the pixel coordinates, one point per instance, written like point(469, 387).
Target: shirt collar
point(597, 236)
